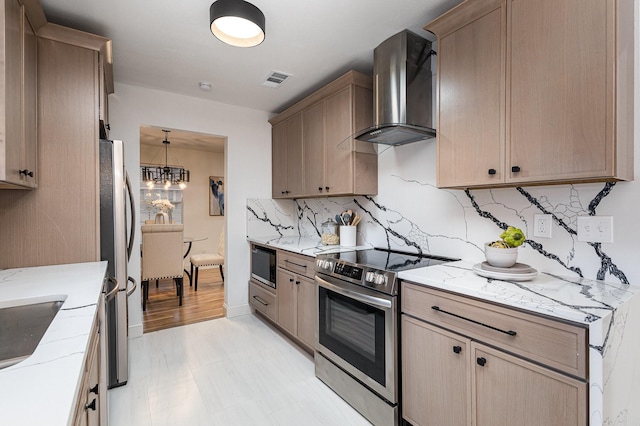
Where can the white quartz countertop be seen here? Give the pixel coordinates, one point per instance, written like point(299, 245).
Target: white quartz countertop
point(302, 245)
point(42, 389)
point(574, 299)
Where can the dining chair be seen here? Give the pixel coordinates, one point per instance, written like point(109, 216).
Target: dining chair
point(208, 259)
point(162, 247)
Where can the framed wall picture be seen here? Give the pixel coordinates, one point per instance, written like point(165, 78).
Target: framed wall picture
point(216, 196)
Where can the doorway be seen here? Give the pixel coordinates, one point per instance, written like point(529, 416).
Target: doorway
point(201, 157)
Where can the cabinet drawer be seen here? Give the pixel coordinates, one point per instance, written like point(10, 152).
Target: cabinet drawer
point(297, 263)
point(557, 344)
point(263, 300)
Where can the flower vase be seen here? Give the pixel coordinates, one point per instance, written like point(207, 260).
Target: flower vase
point(162, 218)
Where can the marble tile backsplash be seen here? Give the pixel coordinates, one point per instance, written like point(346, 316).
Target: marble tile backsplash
point(411, 214)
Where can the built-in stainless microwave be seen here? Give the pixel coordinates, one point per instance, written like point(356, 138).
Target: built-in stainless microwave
point(263, 265)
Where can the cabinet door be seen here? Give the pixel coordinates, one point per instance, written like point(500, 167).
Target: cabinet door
point(561, 97)
point(294, 156)
point(339, 158)
point(12, 63)
point(471, 85)
point(279, 160)
point(286, 291)
point(435, 375)
point(286, 158)
point(93, 396)
point(307, 311)
point(313, 149)
point(30, 148)
point(510, 391)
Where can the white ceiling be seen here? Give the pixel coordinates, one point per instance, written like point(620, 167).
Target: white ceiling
point(153, 136)
point(167, 44)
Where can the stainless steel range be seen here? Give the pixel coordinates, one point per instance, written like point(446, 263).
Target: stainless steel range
point(358, 320)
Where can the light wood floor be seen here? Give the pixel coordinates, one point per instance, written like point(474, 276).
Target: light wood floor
point(202, 305)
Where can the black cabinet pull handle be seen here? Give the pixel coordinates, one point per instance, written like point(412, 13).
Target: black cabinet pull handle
point(26, 172)
point(326, 187)
point(509, 332)
point(283, 192)
point(297, 282)
point(290, 280)
point(319, 188)
point(457, 349)
point(261, 301)
point(481, 361)
point(94, 389)
point(492, 171)
point(91, 405)
point(515, 169)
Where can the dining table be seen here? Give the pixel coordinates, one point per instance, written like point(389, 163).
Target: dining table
point(189, 242)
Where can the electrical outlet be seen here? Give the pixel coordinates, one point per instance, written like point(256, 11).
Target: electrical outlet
point(542, 225)
point(595, 229)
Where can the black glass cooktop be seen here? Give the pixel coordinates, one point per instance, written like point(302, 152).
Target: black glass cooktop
point(392, 261)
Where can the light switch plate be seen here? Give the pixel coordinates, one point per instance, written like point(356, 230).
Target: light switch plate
point(542, 225)
point(595, 229)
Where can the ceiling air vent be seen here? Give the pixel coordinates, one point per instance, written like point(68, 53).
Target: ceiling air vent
point(276, 79)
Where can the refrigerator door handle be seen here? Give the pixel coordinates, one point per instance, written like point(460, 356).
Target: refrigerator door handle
point(111, 294)
point(132, 232)
point(135, 284)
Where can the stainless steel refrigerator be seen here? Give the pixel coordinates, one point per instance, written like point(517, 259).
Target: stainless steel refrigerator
point(116, 244)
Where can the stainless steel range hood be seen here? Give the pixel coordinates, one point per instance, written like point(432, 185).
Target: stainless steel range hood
point(402, 95)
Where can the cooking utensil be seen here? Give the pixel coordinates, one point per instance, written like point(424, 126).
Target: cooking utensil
point(346, 219)
point(356, 220)
point(339, 219)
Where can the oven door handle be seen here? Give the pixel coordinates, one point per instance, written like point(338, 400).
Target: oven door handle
point(364, 298)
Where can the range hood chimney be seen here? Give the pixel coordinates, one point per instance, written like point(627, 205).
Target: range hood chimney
point(402, 91)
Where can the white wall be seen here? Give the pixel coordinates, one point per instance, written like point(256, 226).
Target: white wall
point(247, 166)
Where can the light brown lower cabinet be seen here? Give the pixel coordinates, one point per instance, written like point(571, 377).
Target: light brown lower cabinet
point(297, 305)
point(88, 407)
point(436, 366)
point(450, 380)
point(511, 391)
point(263, 299)
point(292, 305)
point(469, 362)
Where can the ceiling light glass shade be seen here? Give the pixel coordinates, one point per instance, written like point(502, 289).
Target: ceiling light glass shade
point(237, 22)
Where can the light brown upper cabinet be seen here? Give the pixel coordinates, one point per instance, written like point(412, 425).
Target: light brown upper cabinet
point(18, 99)
point(329, 160)
point(534, 92)
point(286, 158)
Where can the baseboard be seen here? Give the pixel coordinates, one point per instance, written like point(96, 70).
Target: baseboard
point(135, 331)
point(236, 311)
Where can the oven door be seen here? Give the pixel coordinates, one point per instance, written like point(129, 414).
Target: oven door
point(356, 330)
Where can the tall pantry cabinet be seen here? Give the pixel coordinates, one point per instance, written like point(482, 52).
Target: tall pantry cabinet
point(58, 222)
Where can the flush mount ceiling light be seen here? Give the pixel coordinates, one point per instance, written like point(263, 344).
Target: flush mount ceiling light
point(237, 22)
point(167, 175)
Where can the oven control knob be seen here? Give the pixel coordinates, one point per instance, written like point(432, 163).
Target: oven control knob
point(370, 277)
point(324, 264)
point(380, 279)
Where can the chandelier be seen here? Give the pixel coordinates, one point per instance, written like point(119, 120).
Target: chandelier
point(167, 175)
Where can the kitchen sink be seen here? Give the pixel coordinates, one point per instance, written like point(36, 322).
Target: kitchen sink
point(22, 325)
